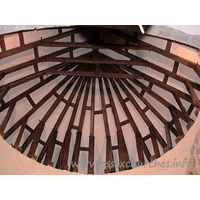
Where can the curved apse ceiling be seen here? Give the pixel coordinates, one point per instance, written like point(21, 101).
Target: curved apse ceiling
point(86, 99)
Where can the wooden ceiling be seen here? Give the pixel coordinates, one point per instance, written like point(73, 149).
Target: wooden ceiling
point(112, 75)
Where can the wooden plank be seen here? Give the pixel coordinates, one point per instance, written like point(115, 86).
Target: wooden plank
point(91, 155)
point(61, 117)
point(2, 44)
point(28, 92)
point(176, 121)
point(93, 45)
point(3, 92)
point(109, 153)
point(160, 84)
point(60, 31)
point(21, 38)
point(193, 95)
point(140, 111)
point(75, 157)
point(50, 147)
point(91, 137)
point(168, 47)
point(35, 44)
point(96, 75)
point(20, 134)
point(172, 74)
point(122, 149)
point(157, 97)
point(175, 68)
point(37, 106)
point(6, 118)
point(168, 138)
point(2, 74)
point(35, 139)
point(124, 122)
point(187, 118)
point(156, 49)
point(154, 142)
point(165, 79)
point(84, 148)
point(91, 61)
point(58, 100)
point(141, 146)
point(30, 100)
point(71, 52)
point(197, 70)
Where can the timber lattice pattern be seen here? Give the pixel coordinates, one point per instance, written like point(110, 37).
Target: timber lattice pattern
point(82, 75)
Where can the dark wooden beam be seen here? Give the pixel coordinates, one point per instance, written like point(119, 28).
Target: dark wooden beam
point(64, 152)
point(140, 111)
point(122, 149)
point(194, 97)
point(187, 118)
point(93, 45)
point(35, 44)
point(176, 121)
point(109, 153)
point(168, 138)
point(3, 92)
point(172, 74)
point(168, 47)
point(91, 61)
point(2, 44)
point(75, 157)
point(141, 146)
point(91, 137)
point(36, 53)
point(154, 141)
point(93, 74)
point(35, 108)
point(157, 97)
point(157, 50)
point(6, 118)
point(20, 134)
point(21, 38)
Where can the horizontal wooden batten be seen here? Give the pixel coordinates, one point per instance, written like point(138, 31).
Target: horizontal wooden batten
point(91, 74)
point(91, 61)
point(93, 45)
point(35, 44)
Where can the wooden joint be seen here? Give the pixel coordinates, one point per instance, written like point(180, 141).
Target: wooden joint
point(124, 122)
point(126, 99)
point(18, 148)
point(75, 127)
point(168, 47)
point(84, 149)
point(197, 111)
point(97, 112)
point(189, 125)
point(108, 105)
point(88, 107)
point(50, 164)
point(115, 147)
point(34, 157)
point(145, 109)
point(179, 138)
point(166, 149)
point(152, 158)
point(2, 74)
point(146, 137)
